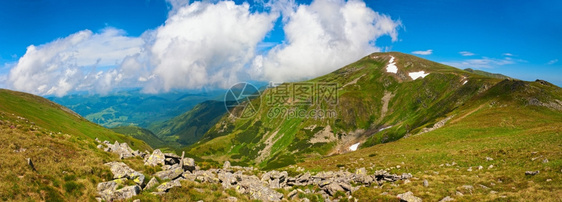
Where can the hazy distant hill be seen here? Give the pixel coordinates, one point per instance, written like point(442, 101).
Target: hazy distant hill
point(134, 107)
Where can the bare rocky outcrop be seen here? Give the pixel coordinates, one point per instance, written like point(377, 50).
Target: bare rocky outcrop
point(178, 168)
point(156, 158)
point(121, 149)
point(325, 135)
point(409, 197)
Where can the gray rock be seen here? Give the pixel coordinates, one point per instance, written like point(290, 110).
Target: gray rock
point(227, 179)
point(231, 199)
point(361, 171)
point(172, 173)
point(489, 159)
point(121, 194)
point(111, 185)
point(409, 197)
point(257, 189)
point(164, 187)
point(292, 194)
point(121, 170)
point(123, 149)
point(332, 188)
point(532, 172)
point(406, 176)
point(151, 183)
point(425, 183)
point(189, 164)
point(447, 198)
point(226, 165)
point(157, 157)
point(468, 187)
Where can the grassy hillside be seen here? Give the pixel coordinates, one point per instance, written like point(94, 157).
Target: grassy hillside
point(373, 106)
point(142, 134)
point(505, 133)
point(190, 126)
point(488, 74)
point(59, 143)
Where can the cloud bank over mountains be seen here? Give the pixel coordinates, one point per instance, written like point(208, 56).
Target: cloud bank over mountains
point(205, 44)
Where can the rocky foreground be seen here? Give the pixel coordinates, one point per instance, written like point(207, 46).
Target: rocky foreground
point(177, 168)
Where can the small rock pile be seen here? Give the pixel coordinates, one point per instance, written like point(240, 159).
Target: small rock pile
point(177, 168)
point(123, 149)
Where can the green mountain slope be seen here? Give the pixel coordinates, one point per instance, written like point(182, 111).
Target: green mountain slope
point(190, 126)
point(373, 106)
point(488, 74)
point(142, 134)
point(493, 140)
point(61, 146)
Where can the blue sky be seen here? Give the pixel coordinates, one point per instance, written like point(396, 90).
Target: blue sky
point(516, 38)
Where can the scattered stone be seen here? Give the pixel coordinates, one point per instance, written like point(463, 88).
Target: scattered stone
point(490, 167)
point(409, 197)
point(545, 161)
point(548, 180)
point(111, 185)
point(151, 183)
point(531, 172)
point(121, 194)
point(480, 167)
point(164, 187)
point(226, 165)
point(172, 173)
point(292, 194)
point(469, 169)
point(425, 183)
point(458, 193)
point(483, 186)
point(489, 159)
point(157, 157)
point(493, 192)
point(447, 198)
point(30, 163)
point(231, 199)
point(121, 170)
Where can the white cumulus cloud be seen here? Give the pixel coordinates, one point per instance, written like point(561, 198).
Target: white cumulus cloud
point(425, 52)
point(65, 64)
point(552, 62)
point(207, 44)
point(323, 36)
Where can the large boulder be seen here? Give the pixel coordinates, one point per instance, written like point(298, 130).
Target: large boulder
point(258, 190)
point(164, 187)
point(172, 173)
point(188, 164)
point(121, 170)
point(151, 183)
point(121, 149)
point(157, 157)
point(121, 194)
point(409, 197)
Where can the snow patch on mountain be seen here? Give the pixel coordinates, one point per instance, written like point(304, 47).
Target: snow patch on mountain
point(391, 67)
point(416, 75)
